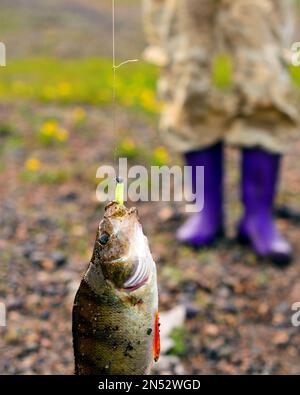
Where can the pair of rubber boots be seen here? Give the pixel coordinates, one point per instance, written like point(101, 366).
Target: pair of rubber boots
point(260, 174)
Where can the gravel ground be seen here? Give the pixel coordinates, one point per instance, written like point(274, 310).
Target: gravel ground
point(238, 308)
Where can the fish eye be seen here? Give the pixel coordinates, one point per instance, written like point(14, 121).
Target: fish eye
point(103, 239)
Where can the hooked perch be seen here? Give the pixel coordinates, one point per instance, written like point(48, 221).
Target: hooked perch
point(115, 319)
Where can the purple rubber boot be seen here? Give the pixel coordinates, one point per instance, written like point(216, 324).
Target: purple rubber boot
point(204, 227)
point(260, 173)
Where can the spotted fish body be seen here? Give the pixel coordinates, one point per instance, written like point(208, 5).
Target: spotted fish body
point(115, 313)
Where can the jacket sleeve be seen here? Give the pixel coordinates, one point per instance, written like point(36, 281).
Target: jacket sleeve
point(159, 18)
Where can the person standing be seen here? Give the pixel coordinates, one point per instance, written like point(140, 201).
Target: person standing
point(225, 80)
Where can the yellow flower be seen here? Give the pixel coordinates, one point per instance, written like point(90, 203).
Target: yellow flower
point(32, 164)
point(128, 144)
point(161, 155)
point(79, 114)
point(128, 149)
point(149, 101)
point(64, 89)
point(49, 128)
point(61, 134)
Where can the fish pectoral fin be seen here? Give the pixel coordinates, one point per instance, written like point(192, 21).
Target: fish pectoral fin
point(156, 339)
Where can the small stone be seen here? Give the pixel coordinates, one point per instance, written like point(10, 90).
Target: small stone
point(192, 312)
point(211, 330)
point(58, 258)
point(280, 338)
point(278, 318)
point(48, 264)
point(78, 230)
point(46, 343)
point(37, 258)
point(69, 197)
point(165, 214)
point(12, 336)
point(230, 308)
point(263, 309)
point(14, 304)
point(45, 315)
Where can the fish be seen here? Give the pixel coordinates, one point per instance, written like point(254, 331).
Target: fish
point(115, 319)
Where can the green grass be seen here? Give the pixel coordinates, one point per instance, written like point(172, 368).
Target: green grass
point(179, 336)
point(83, 81)
point(89, 81)
point(50, 177)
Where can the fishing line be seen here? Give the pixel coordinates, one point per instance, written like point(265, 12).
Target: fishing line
point(115, 67)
